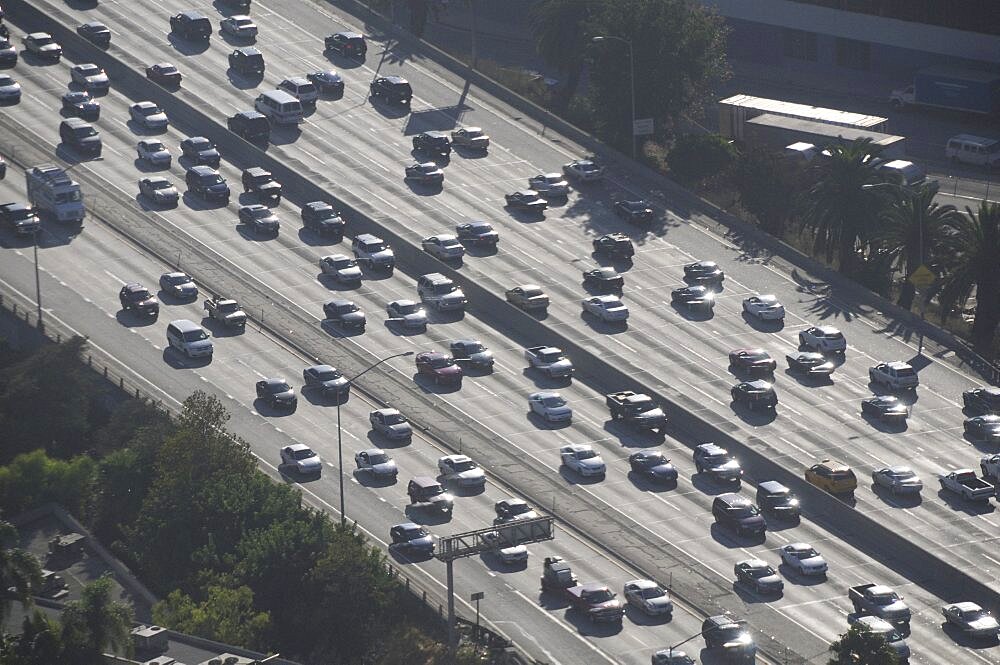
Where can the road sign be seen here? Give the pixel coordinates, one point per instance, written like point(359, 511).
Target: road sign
point(922, 277)
point(642, 127)
point(477, 596)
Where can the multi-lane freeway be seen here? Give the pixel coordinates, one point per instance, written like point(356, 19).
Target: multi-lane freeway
point(362, 149)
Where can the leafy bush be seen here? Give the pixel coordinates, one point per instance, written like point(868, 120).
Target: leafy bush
point(695, 158)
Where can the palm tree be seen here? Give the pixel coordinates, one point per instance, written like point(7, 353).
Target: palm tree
point(94, 623)
point(561, 37)
point(970, 250)
point(841, 207)
point(19, 570)
point(860, 646)
point(911, 229)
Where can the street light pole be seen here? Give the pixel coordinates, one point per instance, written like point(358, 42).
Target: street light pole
point(38, 283)
point(631, 78)
point(340, 448)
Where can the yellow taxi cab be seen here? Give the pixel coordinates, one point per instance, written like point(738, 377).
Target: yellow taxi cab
point(832, 476)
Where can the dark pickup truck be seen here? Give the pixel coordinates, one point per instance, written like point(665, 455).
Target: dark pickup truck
point(636, 409)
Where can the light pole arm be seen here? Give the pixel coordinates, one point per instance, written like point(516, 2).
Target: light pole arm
point(371, 367)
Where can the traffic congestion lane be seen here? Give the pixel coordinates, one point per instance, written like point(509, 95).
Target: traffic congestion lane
point(232, 372)
point(240, 360)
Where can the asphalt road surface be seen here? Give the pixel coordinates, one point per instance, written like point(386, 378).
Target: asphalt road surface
point(361, 149)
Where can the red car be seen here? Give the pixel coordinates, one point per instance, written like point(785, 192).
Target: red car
point(439, 366)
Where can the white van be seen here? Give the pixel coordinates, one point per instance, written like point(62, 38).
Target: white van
point(908, 172)
point(189, 338)
point(973, 150)
point(280, 107)
point(301, 89)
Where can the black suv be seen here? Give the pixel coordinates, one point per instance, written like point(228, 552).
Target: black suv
point(731, 636)
point(426, 492)
point(247, 60)
point(321, 218)
point(81, 136)
point(262, 183)
point(251, 126)
point(347, 44)
point(739, 514)
point(392, 89)
point(191, 24)
point(775, 498)
point(137, 298)
point(207, 183)
point(432, 143)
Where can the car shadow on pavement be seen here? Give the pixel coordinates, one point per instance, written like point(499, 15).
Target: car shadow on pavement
point(763, 326)
point(425, 516)
point(694, 314)
point(591, 628)
point(493, 561)
point(644, 484)
point(385, 443)
point(967, 641)
point(747, 595)
point(542, 423)
point(883, 426)
point(469, 153)
point(896, 500)
point(143, 166)
point(460, 491)
point(445, 316)
point(317, 397)
point(372, 274)
point(602, 327)
point(177, 360)
point(958, 503)
point(247, 232)
point(329, 283)
point(428, 385)
point(197, 203)
point(523, 216)
point(544, 381)
point(619, 264)
point(705, 484)
point(285, 134)
point(289, 474)
point(809, 381)
point(982, 445)
point(574, 478)
point(629, 437)
point(401, 556)
point(186, 47)
point(263, 408)
point(728, 538)
point(640, 618)
point(313, 239)
point(336, 330)
point(133, 320)
point(221, 330)
point(754, 418)
point(793, 576)
point(550, 600)
point(370, 480)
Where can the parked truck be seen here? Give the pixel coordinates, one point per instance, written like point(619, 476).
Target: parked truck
point(53, 192)
point(881, 601)
point(965, 483)
point(968, 90)
point(226, 311)
point(636, 409)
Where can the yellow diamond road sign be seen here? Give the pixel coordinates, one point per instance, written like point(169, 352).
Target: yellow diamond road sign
point(922, 277)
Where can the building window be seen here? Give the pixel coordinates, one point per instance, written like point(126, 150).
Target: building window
point(853, 54)
point(800, 44)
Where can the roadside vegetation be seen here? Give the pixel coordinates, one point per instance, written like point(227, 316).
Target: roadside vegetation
point(235, 556)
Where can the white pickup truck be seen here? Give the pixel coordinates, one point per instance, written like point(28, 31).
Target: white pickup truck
point(965, 483)
point(550, 361)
